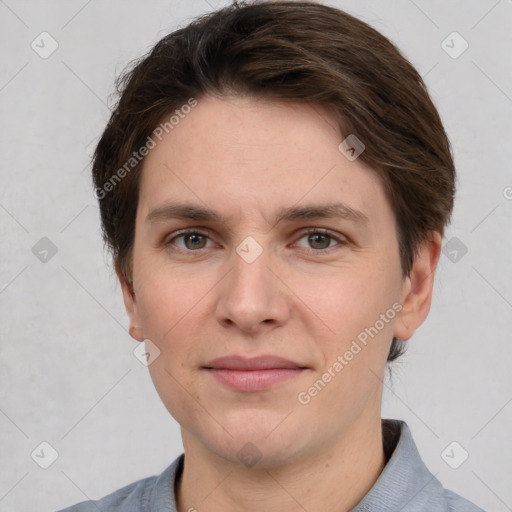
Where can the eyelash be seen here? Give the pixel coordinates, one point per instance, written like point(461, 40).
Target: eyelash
point(339, 240)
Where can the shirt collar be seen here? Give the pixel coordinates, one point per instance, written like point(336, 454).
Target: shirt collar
point(405, 480)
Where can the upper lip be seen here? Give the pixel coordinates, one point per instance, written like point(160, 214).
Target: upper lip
point(263, 362)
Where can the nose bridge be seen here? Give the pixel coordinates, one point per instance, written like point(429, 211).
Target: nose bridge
point(251, 295)
point(250, 284)
point(250, 273)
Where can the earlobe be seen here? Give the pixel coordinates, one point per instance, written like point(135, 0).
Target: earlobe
point(418, 287)
point(130, 304)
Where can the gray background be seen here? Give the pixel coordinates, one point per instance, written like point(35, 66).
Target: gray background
point(68, 375)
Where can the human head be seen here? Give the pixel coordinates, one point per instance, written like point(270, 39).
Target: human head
point(287, 52)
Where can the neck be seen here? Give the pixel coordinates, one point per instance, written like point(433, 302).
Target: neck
point(336, 476)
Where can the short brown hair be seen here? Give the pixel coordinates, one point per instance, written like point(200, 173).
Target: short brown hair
point(285, 51)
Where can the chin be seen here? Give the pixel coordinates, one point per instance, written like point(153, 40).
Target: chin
point(263, 444)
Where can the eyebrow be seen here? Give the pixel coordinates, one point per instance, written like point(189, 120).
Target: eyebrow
point(314, 211)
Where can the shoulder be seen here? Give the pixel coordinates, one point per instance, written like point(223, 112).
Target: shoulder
point(438, 499)
point(435, 498)
point(456, 503)
point(152, 494)
point(131, 498)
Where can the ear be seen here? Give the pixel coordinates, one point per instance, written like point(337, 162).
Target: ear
point(130, 304)
point(418, 287)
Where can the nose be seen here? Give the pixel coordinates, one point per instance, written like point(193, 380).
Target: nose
point(252, 297)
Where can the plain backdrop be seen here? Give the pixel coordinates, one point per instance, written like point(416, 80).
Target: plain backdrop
point(68, 375)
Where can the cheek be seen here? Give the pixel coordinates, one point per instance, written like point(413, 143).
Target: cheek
point(176, 390)
point(170, 317)
point(358, 309)
point(167, 300)
point(350, 301)
point(361, 314)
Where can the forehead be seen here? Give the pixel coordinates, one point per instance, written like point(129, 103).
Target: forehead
point(240, 154)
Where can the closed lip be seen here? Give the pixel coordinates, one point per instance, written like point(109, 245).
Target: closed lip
point(263, 362)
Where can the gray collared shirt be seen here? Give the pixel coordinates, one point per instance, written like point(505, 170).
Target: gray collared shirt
point(405, 485)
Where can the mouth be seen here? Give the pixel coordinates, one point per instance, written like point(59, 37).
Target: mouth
point(253, 374)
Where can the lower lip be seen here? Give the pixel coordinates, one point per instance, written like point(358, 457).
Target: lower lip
point(253, 380)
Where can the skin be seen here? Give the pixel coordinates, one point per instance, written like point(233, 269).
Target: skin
point(197, 299)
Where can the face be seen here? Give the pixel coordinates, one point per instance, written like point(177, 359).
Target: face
point(256, 236)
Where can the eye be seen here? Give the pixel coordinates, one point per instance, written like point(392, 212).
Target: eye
point(320, 240)
point(191, 240)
